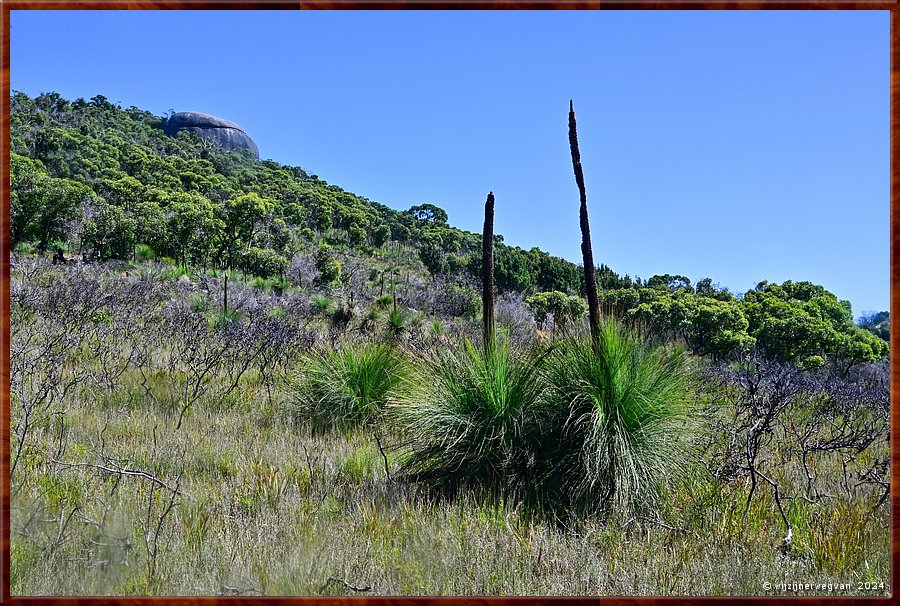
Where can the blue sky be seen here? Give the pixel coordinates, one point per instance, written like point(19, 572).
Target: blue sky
point(742, 146)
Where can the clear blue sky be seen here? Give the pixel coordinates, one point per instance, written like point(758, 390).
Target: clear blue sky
point(742, 146)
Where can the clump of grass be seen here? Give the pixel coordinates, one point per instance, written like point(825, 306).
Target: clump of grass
point(218, 319)
point(276, 313)
point(280, 285)
point(617, 423)
point(324, 305)
point(436, 329)
point(174, 273)
point(144, 253)
point(261, 284)
point(347, 387)
point(464, 420)
point(397, 322)
point(198, 302)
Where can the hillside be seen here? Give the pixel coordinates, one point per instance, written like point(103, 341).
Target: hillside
point(120, 181)
point(93, 181)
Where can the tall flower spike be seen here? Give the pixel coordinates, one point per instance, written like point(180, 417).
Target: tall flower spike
point(487, 273)
point(587, 253)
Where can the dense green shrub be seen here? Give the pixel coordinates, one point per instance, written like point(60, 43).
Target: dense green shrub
point(562, 307)
point(346, 387)
point(464, 416)
point(615, 424)
point(262, 262)
point(329, 267)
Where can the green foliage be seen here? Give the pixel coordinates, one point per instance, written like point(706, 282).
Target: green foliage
point(397, 322)
point(347, 387)
point(670, 282)
point(878, 324)
point(41, 206)
point(708, 326)
point(550, 273)
point(381, 235)
point(793, 322)
point(103, 179)
point(615, 424)
point(562, 307)
point(384, 301)
point(109, 232)
point(428, 215)
point(458, 301)
point(511, 268)
point(220, 319)
point(798, 322)
point(144, 253)
point(262, 262)
point(433, 258)
point(329, 267)
point(717, 328)
point(198, 302)
point(240, 217)
point(464, 418)
point(324, 305)
point(203, 206)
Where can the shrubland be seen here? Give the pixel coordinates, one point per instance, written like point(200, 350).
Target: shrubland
point(229, 377)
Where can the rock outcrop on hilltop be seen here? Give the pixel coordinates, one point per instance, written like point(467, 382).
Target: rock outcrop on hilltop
point(224, 133)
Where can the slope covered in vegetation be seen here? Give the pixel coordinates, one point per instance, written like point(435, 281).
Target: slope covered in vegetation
point(228, 377)
point(91, 178)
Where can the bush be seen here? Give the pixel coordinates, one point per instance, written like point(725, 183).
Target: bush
point(617, 424)
point(347, 387)
point(262, 262)
point(329, 268)
point(463, 419)
point(561, 306)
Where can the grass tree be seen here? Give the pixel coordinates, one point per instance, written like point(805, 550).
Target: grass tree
point(347, 387)
point(618, 424)
point(615, 420)
point(463, 416)
point(462, 420)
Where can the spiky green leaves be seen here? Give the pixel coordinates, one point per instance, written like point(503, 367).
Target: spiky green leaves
point(620, 419)
point(347, 387)
point(578, 432)
point(464, 419)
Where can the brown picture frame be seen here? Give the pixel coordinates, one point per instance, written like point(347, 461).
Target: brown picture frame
point(7, 5)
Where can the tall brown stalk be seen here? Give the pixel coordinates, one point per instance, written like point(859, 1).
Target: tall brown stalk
point(487, 273)
point(587, 253)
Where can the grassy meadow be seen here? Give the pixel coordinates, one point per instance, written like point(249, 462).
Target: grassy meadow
point(162, 445)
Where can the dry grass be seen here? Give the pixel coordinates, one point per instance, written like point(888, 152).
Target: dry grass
point(264, 507)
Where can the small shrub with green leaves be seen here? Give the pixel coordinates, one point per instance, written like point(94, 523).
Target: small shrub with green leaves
point(198, 302)
point(384, 301)
point(347, 387)
point(324, 305)
point(397, 322)
point(328, 266)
